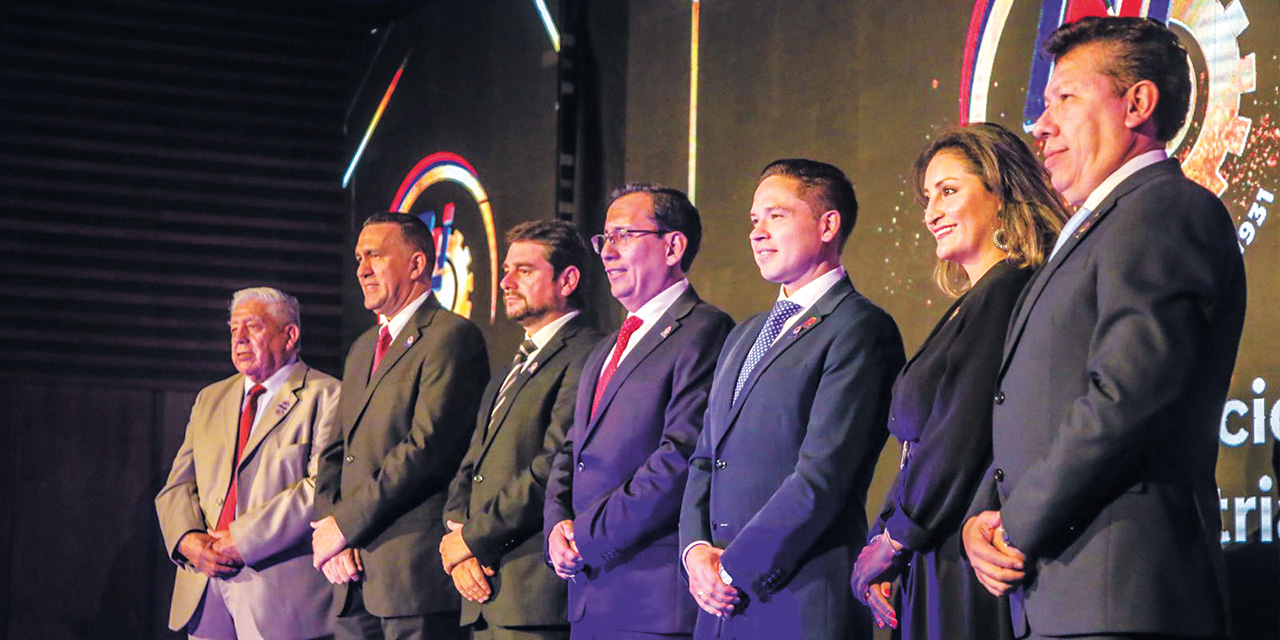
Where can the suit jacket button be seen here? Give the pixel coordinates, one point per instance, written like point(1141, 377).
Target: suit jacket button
point(999, 475)
point(999, 397)
point(219, 501)
point(721, 464)
point(714, 524)
point(477, 478)
point(350, 459)
point(582, 466)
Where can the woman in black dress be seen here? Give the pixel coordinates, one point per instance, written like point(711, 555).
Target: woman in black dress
point(994, 214)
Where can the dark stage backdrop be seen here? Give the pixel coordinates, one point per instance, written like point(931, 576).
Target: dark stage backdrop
point(863, 85)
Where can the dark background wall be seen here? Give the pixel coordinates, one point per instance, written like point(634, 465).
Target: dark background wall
point(156, 156)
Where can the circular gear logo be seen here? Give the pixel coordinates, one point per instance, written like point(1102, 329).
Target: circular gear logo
point(445, 192)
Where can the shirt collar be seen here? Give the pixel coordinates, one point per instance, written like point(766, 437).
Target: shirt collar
point(396, 323)
point(810, 293)
point(1134, 165)
point(545, 334)
point(650, 311)
point(275, 381)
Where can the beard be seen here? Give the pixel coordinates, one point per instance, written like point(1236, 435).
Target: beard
point(526, 311)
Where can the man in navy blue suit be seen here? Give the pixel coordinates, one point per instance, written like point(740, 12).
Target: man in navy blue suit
point(613, 496)
point(774, 510)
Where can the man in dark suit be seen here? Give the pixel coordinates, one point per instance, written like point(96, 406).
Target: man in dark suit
point(775, 509)
point(613, 499)
point(1100, 514)
point(410, 391)
point(494, 511)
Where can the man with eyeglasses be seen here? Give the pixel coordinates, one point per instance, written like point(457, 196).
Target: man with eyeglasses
point(613, 496)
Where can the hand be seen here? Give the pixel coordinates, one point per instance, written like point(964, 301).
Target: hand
point(998, 571)
point(197, 548)
point(708, 590)
point(226, 545)
point(326, 541)
point(876, 563)
point(453, 549)
point(565, 558)
point(470, 578)
point(344, 567)
point(880, 599)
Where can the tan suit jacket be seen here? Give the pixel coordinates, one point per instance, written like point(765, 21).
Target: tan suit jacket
point(284, 594)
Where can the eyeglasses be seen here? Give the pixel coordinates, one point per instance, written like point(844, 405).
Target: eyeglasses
point(620, 238)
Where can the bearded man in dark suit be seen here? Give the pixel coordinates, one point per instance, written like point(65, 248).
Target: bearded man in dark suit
point(494, 548)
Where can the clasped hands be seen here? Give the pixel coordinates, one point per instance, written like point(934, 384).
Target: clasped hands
point(873, 575)
point(330, 554)
point(470, 578)
point(997, 564)
point(563, 551)
point(214, 554)
point(712, 593)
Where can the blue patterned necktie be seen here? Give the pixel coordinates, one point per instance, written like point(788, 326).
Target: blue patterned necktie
point(782, 311)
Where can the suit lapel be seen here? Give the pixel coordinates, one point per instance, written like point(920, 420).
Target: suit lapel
point(1031, 294)
point(399, 347)
point(801, 328)
point(275, 409)
point(226, 423)
point(545, 354)
point(666, 325)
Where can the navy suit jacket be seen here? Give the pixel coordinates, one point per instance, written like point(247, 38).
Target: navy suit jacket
point(1105, 426)
point(621, 473)
point(779, 479)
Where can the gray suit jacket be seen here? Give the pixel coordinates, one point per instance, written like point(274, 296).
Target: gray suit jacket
point(500, 488)
point(403, 434)
point(1105, 424)
point(281, 591)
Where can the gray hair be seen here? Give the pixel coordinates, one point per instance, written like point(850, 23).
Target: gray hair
point(283, 306)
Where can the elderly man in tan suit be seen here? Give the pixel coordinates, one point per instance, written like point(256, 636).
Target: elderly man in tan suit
point(235, 510)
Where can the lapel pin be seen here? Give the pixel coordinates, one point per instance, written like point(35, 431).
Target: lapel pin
point(667, 331)
point(408, 341)
point(533, 367)
point(282, 407)
point(807, 323)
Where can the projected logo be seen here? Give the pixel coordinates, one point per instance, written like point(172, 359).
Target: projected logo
point(444, 191)
point(1213, 146)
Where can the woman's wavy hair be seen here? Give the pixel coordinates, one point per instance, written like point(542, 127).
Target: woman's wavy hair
point(1031, 212)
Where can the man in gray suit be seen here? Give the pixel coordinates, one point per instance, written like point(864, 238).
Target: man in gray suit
point(410, 391)
point(1100, 514)
point(235, 508)
point(494, 511)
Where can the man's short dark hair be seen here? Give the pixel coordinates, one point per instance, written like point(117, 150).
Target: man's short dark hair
point(823, 186)
point(563, 247)
point(415, 232)
point(672, 211)
point(1138, 49)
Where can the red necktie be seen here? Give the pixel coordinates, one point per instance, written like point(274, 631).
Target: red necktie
point(242, 438)
point(384, 343)
point(629, 327)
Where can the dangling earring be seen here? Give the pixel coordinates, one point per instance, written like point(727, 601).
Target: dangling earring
point(1001, 239)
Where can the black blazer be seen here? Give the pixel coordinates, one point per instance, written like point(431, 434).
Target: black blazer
point(498, 492)
point(620, 474)
point(942, 407)
point(779, 479)
point(1105, 426)
point(403, 434)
